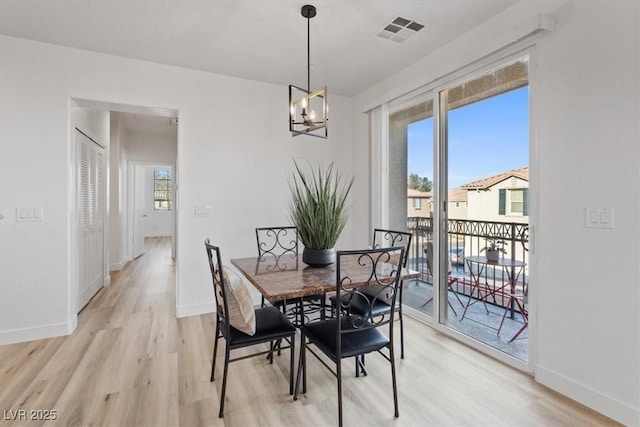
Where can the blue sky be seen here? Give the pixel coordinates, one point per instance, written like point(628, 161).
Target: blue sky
point(485, 138)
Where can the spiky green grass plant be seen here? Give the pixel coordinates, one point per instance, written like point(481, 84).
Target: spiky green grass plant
point(318, 205)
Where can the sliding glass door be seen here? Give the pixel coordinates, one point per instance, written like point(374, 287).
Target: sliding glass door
point(486, 173)
point(461, 193)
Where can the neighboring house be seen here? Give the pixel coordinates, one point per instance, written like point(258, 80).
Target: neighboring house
point(502, 197)
point(419, 203)
point(458, 203)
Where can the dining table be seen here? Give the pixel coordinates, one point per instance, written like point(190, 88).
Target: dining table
point(287, 277)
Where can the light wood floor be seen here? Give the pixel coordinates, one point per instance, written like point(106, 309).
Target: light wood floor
point(130, 362)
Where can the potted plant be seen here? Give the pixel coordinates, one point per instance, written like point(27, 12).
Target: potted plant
point(319, 210)
point(494, 246)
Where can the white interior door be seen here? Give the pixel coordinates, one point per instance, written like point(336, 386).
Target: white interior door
point(90, 191)
point(139, 215)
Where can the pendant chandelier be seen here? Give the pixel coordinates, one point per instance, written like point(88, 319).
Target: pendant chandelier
point(308, 110)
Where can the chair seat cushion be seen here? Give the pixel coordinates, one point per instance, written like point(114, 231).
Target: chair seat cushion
point(271, 324)
point(361, 341)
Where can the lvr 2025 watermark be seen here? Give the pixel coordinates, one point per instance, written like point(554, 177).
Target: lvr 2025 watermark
point(30, 414)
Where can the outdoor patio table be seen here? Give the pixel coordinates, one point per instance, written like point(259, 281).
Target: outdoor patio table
point(513, 269)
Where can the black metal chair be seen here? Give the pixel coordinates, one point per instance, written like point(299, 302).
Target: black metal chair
point(270, 325)
point(383, 238)
point(280, 245)
point(388, 238)
point(349, 334)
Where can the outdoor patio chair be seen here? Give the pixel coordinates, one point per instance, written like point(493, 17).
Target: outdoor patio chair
point(519, 302)
point(451, 280)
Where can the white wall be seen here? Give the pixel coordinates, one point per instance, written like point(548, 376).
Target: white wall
point(94, 122)
point(585, 301)
point(150, 147)
point(117, 199)
point(27, 180)
point(232, 154)
point(589, 301)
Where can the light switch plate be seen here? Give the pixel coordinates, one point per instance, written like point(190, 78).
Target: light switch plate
point(598, 217)
point(28, 214)
point(204, 211)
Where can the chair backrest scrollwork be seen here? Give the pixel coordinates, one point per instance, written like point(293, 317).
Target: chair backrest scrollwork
point(388, 238)
point(358, 269)
point(277, 247)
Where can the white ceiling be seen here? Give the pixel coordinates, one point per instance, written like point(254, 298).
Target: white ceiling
point(145, 123)
point(260, 40)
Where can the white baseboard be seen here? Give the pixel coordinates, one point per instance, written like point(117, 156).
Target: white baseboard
point(117, 266)
point(195, 309)
point(606, 405)
point(38, 332)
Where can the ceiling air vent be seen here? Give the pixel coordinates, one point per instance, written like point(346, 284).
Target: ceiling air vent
point(400, 29)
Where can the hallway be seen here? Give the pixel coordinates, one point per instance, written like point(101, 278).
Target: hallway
point(120, 366)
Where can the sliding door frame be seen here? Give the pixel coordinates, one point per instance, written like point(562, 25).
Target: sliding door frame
point(437, 90)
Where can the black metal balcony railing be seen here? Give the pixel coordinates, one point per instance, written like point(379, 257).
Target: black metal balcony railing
point(468, 238)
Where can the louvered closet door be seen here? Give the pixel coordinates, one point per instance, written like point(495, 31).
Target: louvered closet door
point(90, 198)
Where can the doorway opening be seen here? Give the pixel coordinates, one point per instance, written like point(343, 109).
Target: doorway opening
point(138, 142)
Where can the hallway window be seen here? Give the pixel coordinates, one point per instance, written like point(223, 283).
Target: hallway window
point(162, 189)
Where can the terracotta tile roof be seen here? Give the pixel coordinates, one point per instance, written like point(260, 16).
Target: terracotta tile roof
point(485, 183)
point(455, 194)
point(458, 194)
point(418, 194)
